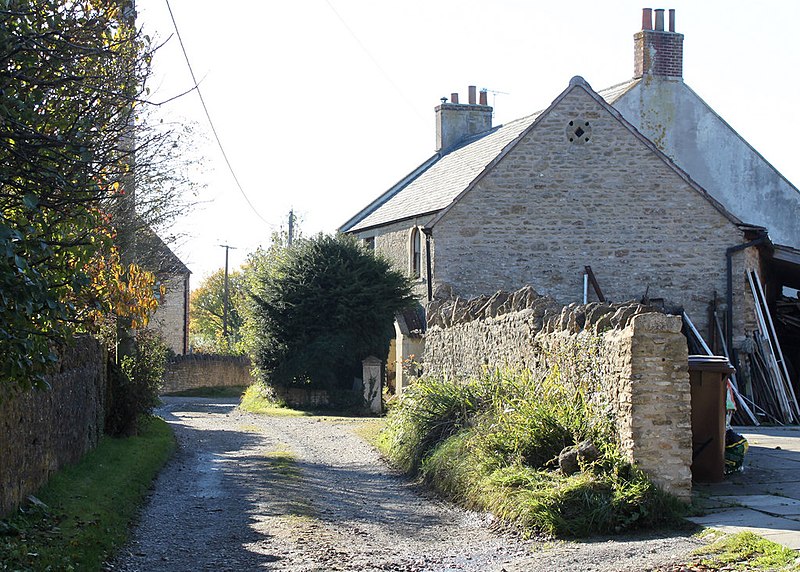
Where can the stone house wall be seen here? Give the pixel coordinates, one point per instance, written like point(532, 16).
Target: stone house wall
point(42, 431)
point(674, 117)
point(393, 242)
point(200, 370)
point(642, 363)
point(171, 317)
point(550, 207)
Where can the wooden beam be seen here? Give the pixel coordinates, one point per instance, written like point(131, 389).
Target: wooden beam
point(595, 285)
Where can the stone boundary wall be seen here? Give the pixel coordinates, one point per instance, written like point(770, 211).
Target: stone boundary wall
point(42, 431)
point(302, 398)
point(206, 370)
point(642, 362)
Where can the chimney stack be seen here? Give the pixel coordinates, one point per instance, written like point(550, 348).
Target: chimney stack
point(457, 122)
point(656, 51)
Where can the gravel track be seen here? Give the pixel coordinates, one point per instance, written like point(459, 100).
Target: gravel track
point(229, 501)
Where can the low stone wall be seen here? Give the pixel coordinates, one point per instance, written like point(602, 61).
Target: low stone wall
point(641, 361)
point(205, 370)
point(302, 398)
point(42, 431)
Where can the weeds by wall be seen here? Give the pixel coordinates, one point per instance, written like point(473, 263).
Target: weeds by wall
point(640, 357)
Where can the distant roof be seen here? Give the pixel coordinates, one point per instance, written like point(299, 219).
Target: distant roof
point(156, 256)
point(445, 177)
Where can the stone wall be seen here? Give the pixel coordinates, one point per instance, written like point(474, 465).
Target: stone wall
point(300, 397)
point(42, 431)
point(715, 155)
point(642, 362)
point(203, 370)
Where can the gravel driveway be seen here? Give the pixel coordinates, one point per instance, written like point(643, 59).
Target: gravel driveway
point(232, 498)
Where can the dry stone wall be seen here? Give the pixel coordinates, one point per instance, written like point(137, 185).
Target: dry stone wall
point(42, 431)
point(204, 370)
point(642, 361)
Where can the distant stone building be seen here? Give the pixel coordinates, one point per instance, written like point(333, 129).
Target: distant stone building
point(608, 180)
point(171, 319)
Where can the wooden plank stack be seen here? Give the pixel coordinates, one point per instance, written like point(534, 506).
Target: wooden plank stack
point(772, 388)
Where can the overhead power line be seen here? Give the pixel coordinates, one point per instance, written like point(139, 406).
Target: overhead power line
point(210, 122)
point(386, 76)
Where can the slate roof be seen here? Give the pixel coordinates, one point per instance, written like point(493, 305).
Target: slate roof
point(613, 93)
point(435, 187)
point(154, 254)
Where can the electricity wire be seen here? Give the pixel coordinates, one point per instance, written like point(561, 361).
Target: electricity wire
point(386, 76)
point(210, 122)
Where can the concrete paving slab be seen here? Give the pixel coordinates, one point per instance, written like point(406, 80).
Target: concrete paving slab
point(770, 504)
point(767, 491)
point(732, 521)
point(787, 539)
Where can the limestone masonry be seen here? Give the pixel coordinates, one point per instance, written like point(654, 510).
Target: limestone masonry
point(42, 431)
point(642, 361)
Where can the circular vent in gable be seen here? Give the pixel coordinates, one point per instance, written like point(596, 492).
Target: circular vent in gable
point(579, 131)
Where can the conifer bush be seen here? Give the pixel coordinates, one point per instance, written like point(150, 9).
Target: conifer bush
point(320, 308)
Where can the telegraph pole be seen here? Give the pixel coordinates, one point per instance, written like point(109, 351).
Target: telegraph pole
point(225, 295)
point(291, 227)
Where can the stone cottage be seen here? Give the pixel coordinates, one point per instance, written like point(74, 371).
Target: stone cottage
point(590, 181)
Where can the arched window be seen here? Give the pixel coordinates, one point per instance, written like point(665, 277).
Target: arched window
point(416, 252)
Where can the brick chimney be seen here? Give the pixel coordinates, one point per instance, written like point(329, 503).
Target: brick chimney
point(656, 51)
point(456, 122)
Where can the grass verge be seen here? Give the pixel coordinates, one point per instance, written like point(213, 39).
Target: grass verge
point(747, 551)
point(82, 515)
point(231, 391)
point(255, 400)
point(493, 444)
point(370, 431)
point(258, 398)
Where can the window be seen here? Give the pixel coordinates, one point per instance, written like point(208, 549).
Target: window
point(416, 252)
point(369, 242)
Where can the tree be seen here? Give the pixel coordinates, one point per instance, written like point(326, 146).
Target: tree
point(72, 78)
point(321, 307)
point(206, 311)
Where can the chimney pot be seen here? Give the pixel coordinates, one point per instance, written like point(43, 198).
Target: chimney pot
point(647, 18)
point(454, 97)
point(483, 100)
point(472, 95)
point(659, 19)
point(655, 51)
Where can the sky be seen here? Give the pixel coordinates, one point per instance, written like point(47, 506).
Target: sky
point(322, 105)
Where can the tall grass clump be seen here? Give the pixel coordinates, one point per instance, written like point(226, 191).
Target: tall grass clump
point(493, 444)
